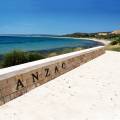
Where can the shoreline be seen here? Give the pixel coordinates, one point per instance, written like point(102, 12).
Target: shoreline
point(105, 42)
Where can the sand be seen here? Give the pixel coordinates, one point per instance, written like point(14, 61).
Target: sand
point(105, 42)
point(89, 92)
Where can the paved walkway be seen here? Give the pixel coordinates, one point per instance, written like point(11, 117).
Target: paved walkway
point(89, 92)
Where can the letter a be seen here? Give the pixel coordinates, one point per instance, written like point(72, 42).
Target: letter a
point(56, 69)
point(19, 84)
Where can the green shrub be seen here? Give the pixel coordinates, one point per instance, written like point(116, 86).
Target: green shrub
point(14, 58)
point(118, 40)
point(114, 42)
point(18, 57)
point(34, 56)
point(1, 64)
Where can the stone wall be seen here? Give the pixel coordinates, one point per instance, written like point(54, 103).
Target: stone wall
point(17, 80)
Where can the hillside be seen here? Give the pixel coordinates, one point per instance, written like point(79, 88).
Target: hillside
point(117, 32)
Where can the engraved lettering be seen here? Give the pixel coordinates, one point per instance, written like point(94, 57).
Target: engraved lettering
point(47, 73)
point(63, 65)
point(56, 69)
point(35, 77)
point(19, 84)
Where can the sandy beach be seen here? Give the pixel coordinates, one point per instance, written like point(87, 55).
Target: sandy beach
point(105, 42)
point(89, 92)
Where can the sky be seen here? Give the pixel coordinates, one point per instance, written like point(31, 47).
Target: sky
point(58, 16)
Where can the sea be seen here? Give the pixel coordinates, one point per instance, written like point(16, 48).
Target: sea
point(28, 43)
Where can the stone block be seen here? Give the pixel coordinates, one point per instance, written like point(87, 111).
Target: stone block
point(6, 91)
point(12, 96)
point(2, 101)
point(4, 83)
point(29, 88)
point(20, 92)
point(7, 99)
point(11, 81)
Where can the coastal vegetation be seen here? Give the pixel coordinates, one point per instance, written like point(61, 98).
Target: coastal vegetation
point(114, 38)
point(114, 45)
point(17, 57)
point(105, 36)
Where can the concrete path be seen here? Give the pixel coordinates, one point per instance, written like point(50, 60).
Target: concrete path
point(89, 92)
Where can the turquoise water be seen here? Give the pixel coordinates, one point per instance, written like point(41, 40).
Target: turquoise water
point(8, 43)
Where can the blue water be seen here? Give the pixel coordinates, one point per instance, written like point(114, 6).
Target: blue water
point(8, 43)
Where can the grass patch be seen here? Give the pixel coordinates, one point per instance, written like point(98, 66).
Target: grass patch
point(113, 47)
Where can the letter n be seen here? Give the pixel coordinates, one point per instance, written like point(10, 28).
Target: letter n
point(35, 76)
